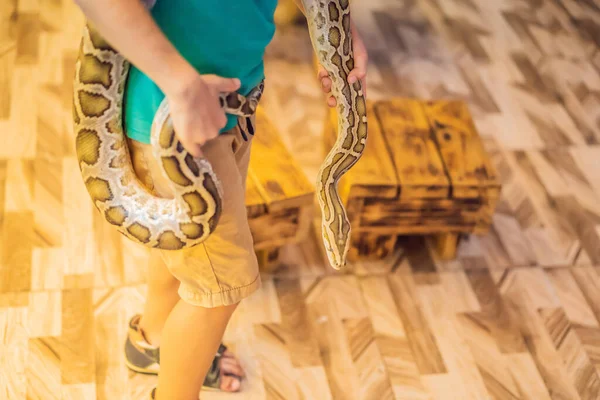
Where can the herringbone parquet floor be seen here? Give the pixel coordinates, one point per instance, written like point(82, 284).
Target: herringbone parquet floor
point(515, 316)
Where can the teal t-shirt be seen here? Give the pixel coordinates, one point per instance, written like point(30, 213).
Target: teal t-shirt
point(226, 38)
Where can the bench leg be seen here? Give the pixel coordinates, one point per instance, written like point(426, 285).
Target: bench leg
point(268, 259)
point(369, 246)
point(446, 245)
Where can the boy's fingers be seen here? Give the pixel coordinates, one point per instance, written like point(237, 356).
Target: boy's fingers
point(356, 75)
point(198, 151)
point(222, 84)
point(193, 148)
point(361, 60)
point(322, 72)
point(219, 119)
point(221, 122)
point(230, 384)
point(228, 84)
point(331, 102)
point(359, 72)
point(231, 366)
point(361, 57)
point(326, 84)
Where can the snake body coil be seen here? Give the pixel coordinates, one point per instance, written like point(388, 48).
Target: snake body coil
point(193, 213)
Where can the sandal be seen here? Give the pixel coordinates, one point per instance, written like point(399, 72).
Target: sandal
point(142, 357)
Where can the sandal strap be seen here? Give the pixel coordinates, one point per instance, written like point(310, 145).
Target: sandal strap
point(213, 376)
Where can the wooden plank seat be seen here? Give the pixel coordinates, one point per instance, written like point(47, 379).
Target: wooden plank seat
point(424, 171)
point(279, 196)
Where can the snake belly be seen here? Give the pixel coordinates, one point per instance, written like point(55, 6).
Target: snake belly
point(192, 214)
point(329, 27)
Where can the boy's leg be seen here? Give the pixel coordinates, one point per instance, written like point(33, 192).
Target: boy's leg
point(214, 276)
point(161, 297)
point(190, 340)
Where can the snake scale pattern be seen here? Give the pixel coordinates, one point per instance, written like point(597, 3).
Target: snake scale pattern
point(192, 214)
point(329, 27)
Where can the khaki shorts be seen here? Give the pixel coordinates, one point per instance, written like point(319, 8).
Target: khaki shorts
point(223, 269)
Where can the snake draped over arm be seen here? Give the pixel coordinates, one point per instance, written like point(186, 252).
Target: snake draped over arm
point(192, 214)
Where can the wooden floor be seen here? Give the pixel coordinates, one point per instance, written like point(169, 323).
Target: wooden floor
point(516, 316)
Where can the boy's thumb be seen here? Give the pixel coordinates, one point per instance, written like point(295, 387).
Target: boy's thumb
point(221, 84)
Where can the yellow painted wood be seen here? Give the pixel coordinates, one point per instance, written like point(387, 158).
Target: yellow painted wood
point(279, 197)
point(415, 155)
point(267, 259)
point(370, 246)
point(255, 203)
point(374, 174)
point(446, 244)
point(465, 160)
point(424, 171)
point(279, 178)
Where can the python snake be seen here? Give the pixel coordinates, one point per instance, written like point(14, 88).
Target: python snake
point(192, 214)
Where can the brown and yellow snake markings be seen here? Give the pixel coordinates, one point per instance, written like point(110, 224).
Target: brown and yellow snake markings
point(192, 214)
point(329, 26)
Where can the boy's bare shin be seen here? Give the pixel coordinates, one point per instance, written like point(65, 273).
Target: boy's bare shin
point(190, 339)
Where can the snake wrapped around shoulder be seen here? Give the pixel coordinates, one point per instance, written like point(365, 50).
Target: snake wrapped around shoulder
point(192, 214)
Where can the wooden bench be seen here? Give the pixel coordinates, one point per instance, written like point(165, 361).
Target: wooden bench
point(424, 171)
point(279, 197)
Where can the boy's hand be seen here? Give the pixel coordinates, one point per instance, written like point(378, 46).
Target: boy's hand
point(195, 110)
point(361, 59)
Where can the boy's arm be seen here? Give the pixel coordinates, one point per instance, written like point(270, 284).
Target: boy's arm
point(361, 58)
point(131, 30)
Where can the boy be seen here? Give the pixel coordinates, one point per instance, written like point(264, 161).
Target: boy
point(190, 51)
